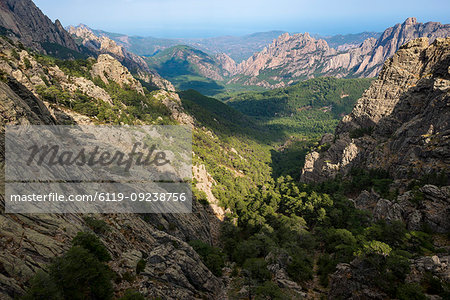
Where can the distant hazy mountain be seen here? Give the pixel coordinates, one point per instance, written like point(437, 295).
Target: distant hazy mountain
point(237, 47)
point(281, 61)
point(348, 41)
point(190, 68)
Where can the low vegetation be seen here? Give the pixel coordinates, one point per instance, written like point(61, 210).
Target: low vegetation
point(309, 108)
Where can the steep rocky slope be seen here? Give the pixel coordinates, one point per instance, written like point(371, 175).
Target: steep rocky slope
point(30, 242)
point(104, 45)
point(300, 56)
point(31, 26)
point(406, 111)
point(394, 37)
point(288, 57)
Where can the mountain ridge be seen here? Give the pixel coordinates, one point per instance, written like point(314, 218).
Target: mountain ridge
point(301, 56)
point(104, 45)
point(31, 26)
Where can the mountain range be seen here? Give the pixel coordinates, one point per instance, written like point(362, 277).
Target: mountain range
point(286, 60)
point(237, 47)
point(297, 57)
point(361, 212)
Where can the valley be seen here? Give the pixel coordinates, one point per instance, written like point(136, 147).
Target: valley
point(320, 165)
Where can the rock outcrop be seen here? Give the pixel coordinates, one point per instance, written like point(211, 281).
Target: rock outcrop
point(108, 69)
point(23, 19)
point(356, 280)
point(28, 72)
point(404, 112)
point(134, 63)
point(429, 205)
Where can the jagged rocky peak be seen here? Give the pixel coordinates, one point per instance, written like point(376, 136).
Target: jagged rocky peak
point(31, 26)
point(404, 111)
point(300, 56)
point(227, 64)
point(394, 37)
point(290, 53)
point(103, 45)
point(410, 21)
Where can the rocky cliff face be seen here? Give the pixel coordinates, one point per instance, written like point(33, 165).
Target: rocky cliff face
point(289, 51)
point(104, 45)
point(404, 111)
point(28, 243)
point(228, 65)
point(31, 26)
point(400, 125)
point(288, 57)
point(109, 69)
point(394, 37)
point(300, 56)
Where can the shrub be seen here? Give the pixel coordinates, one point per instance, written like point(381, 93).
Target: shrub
point(325, 266)
point(247, 249)
point(80, 275)
point(375, 248)
point(432, 284)
point(256, 269)
point(43, 287)
point(98, 226)
point(212, 257)
point(269, 290)
point(15, 54)
point(410, 291)
point(77, 275)
point(360, 132)
point(92, 243)
point(200, 196)
point(398, 266)
point(140, 266)
point(27, 63)
point(300, 269)
point(127, 276)
point(132, 295)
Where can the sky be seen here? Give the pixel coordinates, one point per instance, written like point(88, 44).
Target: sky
point(207, 18)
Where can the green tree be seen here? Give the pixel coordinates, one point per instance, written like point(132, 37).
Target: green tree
point(93, 244)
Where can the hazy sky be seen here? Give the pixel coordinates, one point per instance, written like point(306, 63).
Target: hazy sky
point(203, 18)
